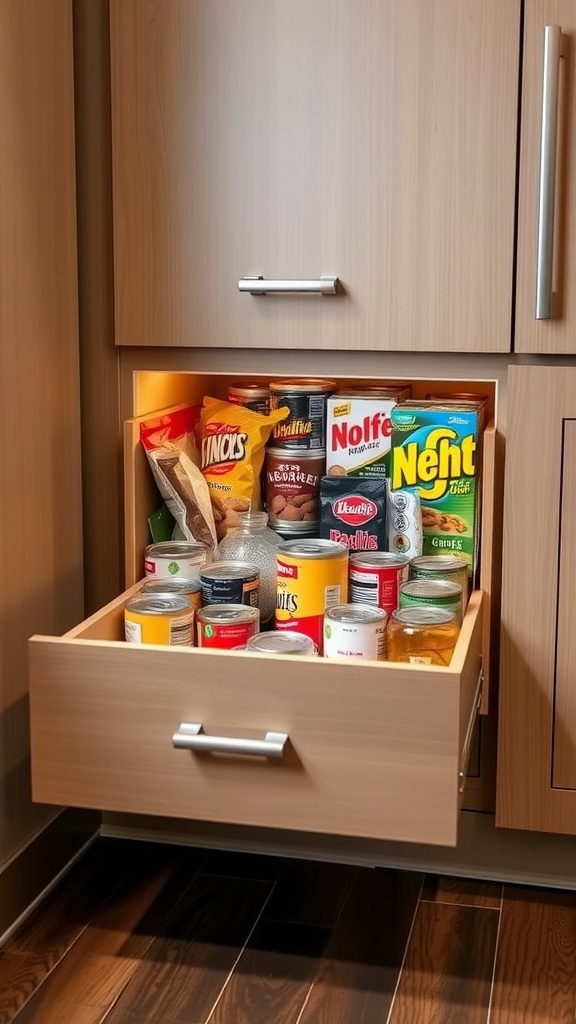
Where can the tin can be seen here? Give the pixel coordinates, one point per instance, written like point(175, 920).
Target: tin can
point(252, 396)
point(293, 487)
point(305, 427)
point(282, 643)
point(227, 626)
point(297, 531)
point(435, 593)
point(355, 631)
point(421, 635)
point(441, 567)
point(168, 559)
point(231, 583)
point(376, 578)
point(159, 619)
point(312, 576)
point(178, 587)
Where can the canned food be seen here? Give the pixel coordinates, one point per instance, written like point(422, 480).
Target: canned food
point(438, 593)
point(282, 643)
point(179, 586)
point(231, 583)
point(159, 619)
point(422, 635)
point(227, 626)
point(441, 567)
point(167, 559)
point(297, 531)
point(312, 576)
point(252, 396)
point(305, 427)
point(355, 631)
point(376, 577)
point(293, 487)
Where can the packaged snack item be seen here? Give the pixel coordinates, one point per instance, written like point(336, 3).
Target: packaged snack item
point(170, 445)
point(437, 450)
point(404, 521)
point(358, 435)
point(353, 512)
point(232, 439)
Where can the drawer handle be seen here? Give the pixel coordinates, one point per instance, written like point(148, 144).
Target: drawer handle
point(191, 737)
point(548, 142)
point(470, 731)
point(261, 286)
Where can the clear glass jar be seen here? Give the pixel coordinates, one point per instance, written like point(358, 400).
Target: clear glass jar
point(253, 541)
point(422, 635)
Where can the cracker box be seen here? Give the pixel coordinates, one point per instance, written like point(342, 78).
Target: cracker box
point(358, 436)
point(437, 450)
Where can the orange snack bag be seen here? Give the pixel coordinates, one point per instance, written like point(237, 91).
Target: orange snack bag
point(232, 442)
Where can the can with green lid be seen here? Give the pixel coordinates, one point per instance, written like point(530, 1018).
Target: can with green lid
point(434, 593)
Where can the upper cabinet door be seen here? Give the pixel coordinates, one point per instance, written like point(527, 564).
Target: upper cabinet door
point(545, 297)
point(369, 140)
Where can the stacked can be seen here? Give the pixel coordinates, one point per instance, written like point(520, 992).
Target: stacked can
point(312, 576)
point(296, 456)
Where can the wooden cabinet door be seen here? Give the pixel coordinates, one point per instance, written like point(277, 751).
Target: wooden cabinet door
point(537, 728)
point(557, 332)
point(369, 140)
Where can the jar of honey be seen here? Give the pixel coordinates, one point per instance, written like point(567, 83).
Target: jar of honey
point(422, 635)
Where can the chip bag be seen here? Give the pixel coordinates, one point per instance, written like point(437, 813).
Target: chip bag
point(232, 442)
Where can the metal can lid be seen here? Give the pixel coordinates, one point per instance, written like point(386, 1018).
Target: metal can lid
point(356, 613)
point(424, 615)
point(297, 454)
point(177, 548)
point(158, 604)
point(249, 390)
point(177, 585)
point(301, 385)
point(313, 548)
point(230, 571)
point(226, 614)
point(431, 588)
point(378, 560)
point(439, 563)
point(281, 643)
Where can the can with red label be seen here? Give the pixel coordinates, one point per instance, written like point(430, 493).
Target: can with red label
point(376, 577)
point(312, 576)
point(227, 625)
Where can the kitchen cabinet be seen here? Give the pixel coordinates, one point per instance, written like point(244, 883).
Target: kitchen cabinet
point(537, 731)
point(373, 141)
point(547, 210)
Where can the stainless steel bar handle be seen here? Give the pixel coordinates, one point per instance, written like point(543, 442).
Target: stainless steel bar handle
point(546, 188)
point(263, 286)
point(470, 731)
point(191, 737)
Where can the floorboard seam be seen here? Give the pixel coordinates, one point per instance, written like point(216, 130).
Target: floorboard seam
point(452, 903)
point(496, 944)
point(406, 947)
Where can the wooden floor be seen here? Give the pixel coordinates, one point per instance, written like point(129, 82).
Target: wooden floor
point(141, 933)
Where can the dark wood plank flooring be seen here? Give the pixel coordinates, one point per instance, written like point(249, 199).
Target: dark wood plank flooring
point(139, 933)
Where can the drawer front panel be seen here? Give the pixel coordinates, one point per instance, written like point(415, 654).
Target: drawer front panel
point(373, 750)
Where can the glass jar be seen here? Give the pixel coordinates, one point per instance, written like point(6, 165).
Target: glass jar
point(253, 541)
point(422, 635)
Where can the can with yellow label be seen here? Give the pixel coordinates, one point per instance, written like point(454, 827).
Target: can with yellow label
point(159, 619)
point(312, 576)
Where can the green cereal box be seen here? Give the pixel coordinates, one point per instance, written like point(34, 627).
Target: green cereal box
point(437, 449)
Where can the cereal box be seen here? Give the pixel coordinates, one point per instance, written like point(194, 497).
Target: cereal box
point(358, 436)
point(437, 449)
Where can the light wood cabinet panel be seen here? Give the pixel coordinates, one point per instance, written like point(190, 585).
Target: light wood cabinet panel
point(537, 749)
point(372, 140)
point(557, 334)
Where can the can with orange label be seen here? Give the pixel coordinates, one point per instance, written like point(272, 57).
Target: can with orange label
point(312, 576)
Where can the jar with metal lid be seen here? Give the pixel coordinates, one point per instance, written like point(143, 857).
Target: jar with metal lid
point(421, 635)
point(282, 643)
point(441, 567)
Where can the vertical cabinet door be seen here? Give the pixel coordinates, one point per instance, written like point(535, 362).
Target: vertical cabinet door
point(545, 296)
point(537, 727)
point(369, 140)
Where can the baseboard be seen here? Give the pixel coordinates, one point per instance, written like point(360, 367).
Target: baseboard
point(30, 873)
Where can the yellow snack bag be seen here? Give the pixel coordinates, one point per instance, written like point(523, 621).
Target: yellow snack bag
point(232, 442)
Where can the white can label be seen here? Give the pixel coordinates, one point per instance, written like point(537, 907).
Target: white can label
point(172, 568)
point(354, 640)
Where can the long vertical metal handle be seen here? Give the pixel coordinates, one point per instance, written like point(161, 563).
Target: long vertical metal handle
point(548, 139)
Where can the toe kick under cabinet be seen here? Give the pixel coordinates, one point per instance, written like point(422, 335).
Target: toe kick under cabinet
point(373, 750)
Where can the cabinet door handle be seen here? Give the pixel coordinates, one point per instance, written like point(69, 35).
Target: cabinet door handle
point(470, 731)
point(190, 736)
point(546, 187)
point(263, 286)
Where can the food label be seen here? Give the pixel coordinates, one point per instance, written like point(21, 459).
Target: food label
point(306, 589)
point(353, 512)
point(379, 586)
point(354, 640)
point(305, 428)
point(226, 637)
point(358, 436)
point(292, 487)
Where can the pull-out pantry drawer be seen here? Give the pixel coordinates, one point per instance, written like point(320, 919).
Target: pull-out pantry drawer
point(374, 749)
